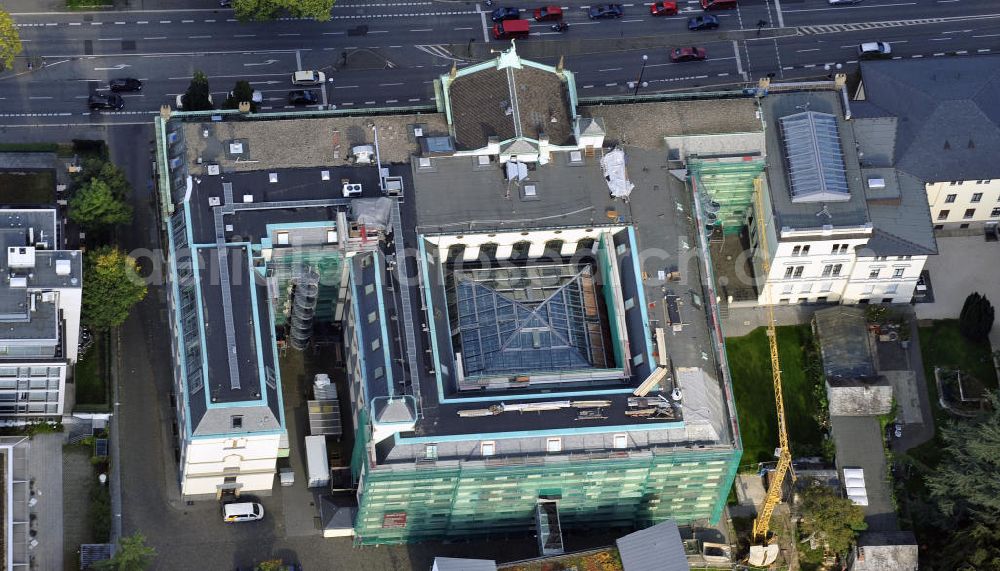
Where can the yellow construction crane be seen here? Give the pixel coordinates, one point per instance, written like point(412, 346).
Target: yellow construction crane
point(777, 480)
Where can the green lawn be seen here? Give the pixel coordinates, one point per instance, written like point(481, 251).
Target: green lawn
point(750, 364)
point(942, 345)
point(34, 187)
point(90, 375)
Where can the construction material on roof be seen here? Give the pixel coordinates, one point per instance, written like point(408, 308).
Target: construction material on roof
point(656, 548)
point(652, 381)
point(323, 389)
point(761, 556)
point(613, 167)
point(324, 417)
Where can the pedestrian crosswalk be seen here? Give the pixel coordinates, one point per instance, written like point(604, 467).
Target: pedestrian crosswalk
point(861, 26)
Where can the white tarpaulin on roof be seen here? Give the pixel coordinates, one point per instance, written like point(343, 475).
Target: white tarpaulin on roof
point(613, 167)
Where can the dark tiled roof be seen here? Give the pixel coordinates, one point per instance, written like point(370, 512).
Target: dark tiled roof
point(949, 124)
point(506, 103)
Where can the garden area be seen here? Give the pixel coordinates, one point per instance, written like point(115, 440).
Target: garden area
point(804, 393)
point(90, 377)
point(602, 560)
point(28, 187)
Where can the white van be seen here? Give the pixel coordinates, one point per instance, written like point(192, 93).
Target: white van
point(308, 78)
point(242, 511)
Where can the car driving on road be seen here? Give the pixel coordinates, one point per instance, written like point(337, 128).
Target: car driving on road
point(602, 11)
point(874, 50)
point(308, 78)
point(706, 22)
point(663, 8)
point(109, 101)
point(302, 97)
point(548, 14)
point(125, 84)
point(507, 13)
point(687, 54)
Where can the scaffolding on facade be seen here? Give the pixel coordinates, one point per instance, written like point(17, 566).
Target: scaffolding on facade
point(725, 189)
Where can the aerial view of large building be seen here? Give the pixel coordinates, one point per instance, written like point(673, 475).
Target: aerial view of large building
point(512, 363)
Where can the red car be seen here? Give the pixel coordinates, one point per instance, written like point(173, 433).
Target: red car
point(663, 8)
point(687, 54)
point(548, 13)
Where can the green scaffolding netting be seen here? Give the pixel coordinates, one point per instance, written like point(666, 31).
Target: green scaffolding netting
point(728, 183)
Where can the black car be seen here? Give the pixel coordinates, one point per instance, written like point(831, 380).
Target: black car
point(302, 97)
point(125, 84)
point(602, 11)
point(706, 22)
point(110, 101)
point(508, 13)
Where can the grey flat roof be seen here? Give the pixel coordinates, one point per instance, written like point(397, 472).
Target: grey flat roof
point(843, 340)
point(803, 215)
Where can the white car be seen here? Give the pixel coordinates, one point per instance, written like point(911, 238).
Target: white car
point(308, 78)
point(242, 511)
point(874, 50)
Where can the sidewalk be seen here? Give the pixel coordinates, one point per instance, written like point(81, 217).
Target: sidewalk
point(41, 6)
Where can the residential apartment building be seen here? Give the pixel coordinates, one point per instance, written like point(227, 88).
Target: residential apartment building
point(513, 362)
point(40, 298)
point(941, 127)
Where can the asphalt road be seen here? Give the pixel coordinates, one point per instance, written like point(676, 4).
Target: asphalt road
point(388, 53)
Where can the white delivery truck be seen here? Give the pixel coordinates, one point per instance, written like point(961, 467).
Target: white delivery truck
point(318, 463)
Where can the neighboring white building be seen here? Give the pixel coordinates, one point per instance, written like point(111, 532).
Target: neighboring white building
point(40, 297)
point(836, 231)
point(940, 124)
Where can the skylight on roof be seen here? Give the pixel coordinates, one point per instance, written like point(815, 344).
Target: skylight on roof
point(814, 158)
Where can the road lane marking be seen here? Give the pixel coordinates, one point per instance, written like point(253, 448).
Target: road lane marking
point(199, 37)
point(739, 62)
point(810, 50)
point(610, 69)
point(482, 19)
point(423, 30)
point(156, 38)
point(245, 36)
point(345, 87)
point(389, 84)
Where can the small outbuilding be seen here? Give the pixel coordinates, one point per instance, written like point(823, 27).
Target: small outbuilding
point(853, 386)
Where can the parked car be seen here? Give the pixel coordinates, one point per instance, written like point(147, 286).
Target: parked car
point(706, 22)
point(548, 13)
point(302, 97)
point(109, 101)
point(308, 78)
point(256, 97)
point(687, 54)
point(602, 11)
point(125, 84)
point(507, 13)
point(874, 50)
point(225, 3)
point(179, 102)
point(242, 511)
point(663, 8)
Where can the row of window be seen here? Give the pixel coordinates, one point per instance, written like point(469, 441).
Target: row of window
point(804, 250)
point(969, 214)
point(833, 270)
point(960, 182)
point(976, 197)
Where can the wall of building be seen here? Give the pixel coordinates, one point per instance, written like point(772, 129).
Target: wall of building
point(467, 499)
point(505, 241)
point(70, 302)
point(894, 283)
point(963, 204)
point(250, 459)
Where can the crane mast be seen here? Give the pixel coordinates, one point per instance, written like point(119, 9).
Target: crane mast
point(762, 523)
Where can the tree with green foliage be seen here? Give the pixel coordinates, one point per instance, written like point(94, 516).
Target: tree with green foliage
point(133, 555)
point(107, 172)
point(267, 9)
point(966, 489)
point(10, 41)
point(829, 519)
point(94, 206)
point(242, 92)
point(197, 97)
point(976, 318)
point(111, 286)
point(269, 565)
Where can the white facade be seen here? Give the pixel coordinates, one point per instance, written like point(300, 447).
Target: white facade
point(833, 265)
point(247, 462)
point(963, 203)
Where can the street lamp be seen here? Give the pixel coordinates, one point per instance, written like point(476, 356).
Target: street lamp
point(642, 70)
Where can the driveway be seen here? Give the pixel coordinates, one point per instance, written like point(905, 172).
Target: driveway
point(963, 265)
point(859, 445)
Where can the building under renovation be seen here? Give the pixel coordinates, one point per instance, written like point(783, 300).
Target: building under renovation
point(530, 338)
